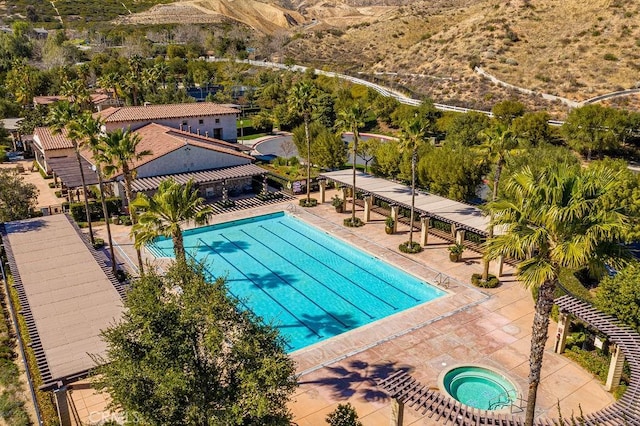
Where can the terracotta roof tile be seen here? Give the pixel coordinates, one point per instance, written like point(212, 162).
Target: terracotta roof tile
point(96, 98)
point(157, 112)
point(50, 141)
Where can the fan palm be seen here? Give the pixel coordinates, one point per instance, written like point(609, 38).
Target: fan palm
point(500, 141)
point(65, 117)
point(118, 150)
point(351, 119)
point(553, 219)
point(165, 212)
point(413, 134)
point(301, 101)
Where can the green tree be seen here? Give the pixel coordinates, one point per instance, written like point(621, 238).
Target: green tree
point(591, 128)
point(344, 415)
point(507, 111)
point(450, 172)
point(66, 118)
point(351, 119)
point(17, 197)
point(329, 150)
point(366, 150)
point(118, 152)
point(386, 161)
point(166, 212)
point(185, 353)
point(464, 128)
point(619, 295)
point(499, 143)
point(301, 101)
point(533, 127)
point(555, 219)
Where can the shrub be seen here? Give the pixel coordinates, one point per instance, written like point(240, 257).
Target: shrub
point(337, 201)
point(98, 243)
point(125, 220)
point(491, 282)
point(311, 202)
point(355, 223)
point(592, 361)
point(610, 57)
point(456, 249)
point(412, 248)
point(52, 185)
point(344, 415)
point(95, 208)
point(389, 222)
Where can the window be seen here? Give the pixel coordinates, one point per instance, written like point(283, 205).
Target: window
point(201, 121)
point(185, 122)
point(217, 120)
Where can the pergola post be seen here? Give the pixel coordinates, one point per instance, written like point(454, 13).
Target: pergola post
point(344, 194)
point(323, 190)
point(397, 413)
point(459, 236)
point(563, 332)
point(424, 229)
point(368, 205)
point(395, 209)
point(615, 368)
point(453, 230)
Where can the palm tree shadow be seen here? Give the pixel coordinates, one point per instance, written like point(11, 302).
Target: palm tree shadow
point(357, 378)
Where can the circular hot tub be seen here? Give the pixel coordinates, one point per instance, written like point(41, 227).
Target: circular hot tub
point(479, 387)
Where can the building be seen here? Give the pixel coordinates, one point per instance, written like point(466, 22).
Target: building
point(47, 146)
point(100, 101)
point(203, 118)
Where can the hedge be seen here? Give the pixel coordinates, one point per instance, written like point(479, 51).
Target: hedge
point(114, 205)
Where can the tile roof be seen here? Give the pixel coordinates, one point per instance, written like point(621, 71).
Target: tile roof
point(49, 141)
point(161, 140)
point(157, 112)
point(96, 98)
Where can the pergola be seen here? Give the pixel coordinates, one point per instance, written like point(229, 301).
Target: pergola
point(66, 170)
point(406, 391)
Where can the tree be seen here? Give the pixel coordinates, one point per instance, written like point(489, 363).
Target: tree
point(619, 295)
point(386, 161)
point(166, 211)
point(301, 101)
point(507, 111)
point(533, 127)
point(413, 134)
point(591, 128)
point(366, 150)
point(17, 198)
point(65, 117)
point(351, 119)
point(464, 128)
point(329, 150)
point(186, 353)
point(344, 415)
point(550, 220)
point(499, 143)
point(118, 152)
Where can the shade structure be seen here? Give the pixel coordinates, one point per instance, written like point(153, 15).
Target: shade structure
point(67, 170)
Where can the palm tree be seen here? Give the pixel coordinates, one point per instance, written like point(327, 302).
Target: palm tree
point(413, 134)
point(351, 118)
point(118, 150)
point(91, 128)
point(65, 117)
point(500, 141)
point(555, 219)
point(165, 212)
point(301, 101)
point(110, 82)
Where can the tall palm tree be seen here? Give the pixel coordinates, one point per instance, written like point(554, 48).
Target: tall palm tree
point(91, 128)
point(301, 101)
point(351, 119)
point(500, 141)
point(413, 134)
point(118, 150)
point(65, 117)
point(553, 219)
point(164, 213)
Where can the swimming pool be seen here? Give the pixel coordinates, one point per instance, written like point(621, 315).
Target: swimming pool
point(479, 387)
point(308, 284)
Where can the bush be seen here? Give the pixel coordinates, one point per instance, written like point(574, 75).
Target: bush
point(610, 57)
point(311, 202)
point(52, 185)
point(344, 415)
point(355, 223)
point(412, 248)
point(592, 361)
point(98, 243)
point(125, 220)
point(492, 281)
point(77, 211)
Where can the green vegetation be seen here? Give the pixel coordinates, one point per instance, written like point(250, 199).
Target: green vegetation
point(17, 198)
point(620, 295)
point(344, 415)
point(172, 362)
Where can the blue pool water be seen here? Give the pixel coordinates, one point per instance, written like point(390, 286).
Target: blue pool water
point(308, 284)
point(480, 387)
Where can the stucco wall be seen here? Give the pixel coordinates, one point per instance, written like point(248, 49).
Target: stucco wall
point(226, 123)
point(189, 159)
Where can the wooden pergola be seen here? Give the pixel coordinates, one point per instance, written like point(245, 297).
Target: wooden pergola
point(407, 391)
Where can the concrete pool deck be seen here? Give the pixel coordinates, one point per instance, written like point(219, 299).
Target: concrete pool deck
point(490, 327)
